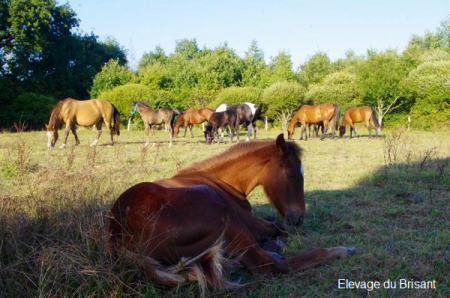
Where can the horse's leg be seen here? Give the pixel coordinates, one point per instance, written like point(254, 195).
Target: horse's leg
point(303, 130)
point(185, 129)
point(254, 130)
point(98, 126)
point(66, 134)
point(249, 131)
point(318, 256)
point(191, 126)
point(325, 125)
point(369, 128)
point(74, 131)
point(152, 127)
point(147, 133)
point(170, 125)
point(230, 137)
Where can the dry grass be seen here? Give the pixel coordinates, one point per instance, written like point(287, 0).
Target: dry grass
point(388, 197)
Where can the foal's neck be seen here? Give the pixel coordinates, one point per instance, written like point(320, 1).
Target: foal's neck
point(242, 174)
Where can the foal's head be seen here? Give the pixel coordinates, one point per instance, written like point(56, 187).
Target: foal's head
point(209, 134)
point(283, 181)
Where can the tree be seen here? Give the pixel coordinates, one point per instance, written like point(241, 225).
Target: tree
point(254, 67)
point(281, 68)
point(379, 81)
point(157, 56)
point(315, 69)
point(112, 74)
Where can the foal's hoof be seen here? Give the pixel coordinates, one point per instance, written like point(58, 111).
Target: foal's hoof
point(350, 251)
point(277, 256)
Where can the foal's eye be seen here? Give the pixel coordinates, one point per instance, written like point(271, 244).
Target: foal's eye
point(290, 174)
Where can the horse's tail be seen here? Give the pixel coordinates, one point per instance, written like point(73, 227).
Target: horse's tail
point(375, 121)
point(337, 115)
point(116, 116)
point(177, 111)
point(208, 268)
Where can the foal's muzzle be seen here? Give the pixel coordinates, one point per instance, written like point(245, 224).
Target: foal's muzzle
point(294, 218)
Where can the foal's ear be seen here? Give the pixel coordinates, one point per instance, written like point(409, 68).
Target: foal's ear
point(281, 144)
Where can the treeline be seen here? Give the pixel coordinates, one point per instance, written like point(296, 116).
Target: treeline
point(414, 82)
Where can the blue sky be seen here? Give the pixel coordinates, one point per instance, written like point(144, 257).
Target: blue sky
point(301, 28)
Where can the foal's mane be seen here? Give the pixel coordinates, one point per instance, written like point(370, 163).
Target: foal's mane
point(145, 104)
point(240, 150)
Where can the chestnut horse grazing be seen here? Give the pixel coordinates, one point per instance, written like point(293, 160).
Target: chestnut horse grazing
point(85, 113)
point(325, 113)
point(185, 228)
point(191, 117)
point(360, 114)
point(152, 117)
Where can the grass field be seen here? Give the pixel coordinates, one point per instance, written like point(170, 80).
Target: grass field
point(387, 197)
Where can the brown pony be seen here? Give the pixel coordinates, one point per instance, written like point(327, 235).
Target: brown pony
point(185, 228)
point(360, 114)
point(191, 117)
point(85, 113)
point(315, 114)
point(152, 117)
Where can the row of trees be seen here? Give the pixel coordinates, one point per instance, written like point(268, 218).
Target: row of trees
point(45, 59)
point(415, 82)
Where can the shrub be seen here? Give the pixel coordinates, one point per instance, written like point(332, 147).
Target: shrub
point(237, 95)
point(282, 96)
point(33, 110)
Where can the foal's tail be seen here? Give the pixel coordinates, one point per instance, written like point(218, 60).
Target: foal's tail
point(337, 115)
point(177, 111)
point(375, 121)
point(116, 116)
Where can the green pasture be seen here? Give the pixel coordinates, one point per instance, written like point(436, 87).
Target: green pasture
point(388, 197)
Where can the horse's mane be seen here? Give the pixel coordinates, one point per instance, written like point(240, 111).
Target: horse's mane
point(239, 150)
point(54, 114)
point(145, 104)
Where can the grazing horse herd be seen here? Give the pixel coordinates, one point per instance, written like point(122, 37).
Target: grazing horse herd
point(197, 225)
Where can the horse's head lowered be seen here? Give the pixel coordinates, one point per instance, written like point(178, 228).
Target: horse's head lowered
point(291, 131)
point(52, 135)
point(283, 182)
point(209, 134)
point(342, 131)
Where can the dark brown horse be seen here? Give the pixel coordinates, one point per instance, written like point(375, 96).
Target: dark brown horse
point(360, 114)
point(315, 114)
point(248, 113)
point(222, 120)
point(185, 228)
point(191, 117)
point(84, 113)
point(152, 117)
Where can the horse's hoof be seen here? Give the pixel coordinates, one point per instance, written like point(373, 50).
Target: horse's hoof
point(62, 146)
point(146, 144)
point(277, 256)
point(350, 251)
point(170, 145)
point(153, 144)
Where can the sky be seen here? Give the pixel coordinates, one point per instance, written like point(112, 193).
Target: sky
point(301, 28)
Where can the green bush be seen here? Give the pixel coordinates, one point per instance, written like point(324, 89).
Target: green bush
point(237, 95)
point(282, 96)
point(32, 110)
point(113, 74)
point(338, 88)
